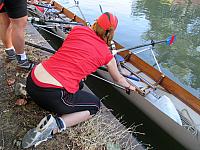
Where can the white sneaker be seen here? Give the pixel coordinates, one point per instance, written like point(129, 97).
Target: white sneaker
point(41, 133)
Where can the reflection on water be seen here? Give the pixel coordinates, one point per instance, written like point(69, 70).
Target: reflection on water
point(183, 19)
point(144, 20)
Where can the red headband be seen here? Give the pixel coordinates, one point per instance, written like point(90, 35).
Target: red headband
point(107, 20)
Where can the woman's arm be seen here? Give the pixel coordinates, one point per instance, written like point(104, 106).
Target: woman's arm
point(116, 76)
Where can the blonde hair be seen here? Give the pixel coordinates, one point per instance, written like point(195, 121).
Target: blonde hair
point(107, 35)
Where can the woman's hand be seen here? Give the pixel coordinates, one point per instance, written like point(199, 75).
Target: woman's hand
point(132, 88)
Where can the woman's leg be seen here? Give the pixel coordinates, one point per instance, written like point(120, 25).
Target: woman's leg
point(18, 26)
point(74, 109)
point(68, 120)
point(79, 107)
point(75, 118)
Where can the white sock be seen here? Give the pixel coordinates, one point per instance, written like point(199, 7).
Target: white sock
point(22, 56)
point(64, 128)
point(7, 49)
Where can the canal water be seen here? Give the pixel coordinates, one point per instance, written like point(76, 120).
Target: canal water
point(139, 22)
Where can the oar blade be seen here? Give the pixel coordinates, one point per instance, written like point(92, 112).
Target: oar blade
point(170, 40)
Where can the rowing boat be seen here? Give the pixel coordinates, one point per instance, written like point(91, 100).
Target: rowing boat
point(164, 101)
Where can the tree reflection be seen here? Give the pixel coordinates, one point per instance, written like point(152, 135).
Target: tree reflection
point(183, 19)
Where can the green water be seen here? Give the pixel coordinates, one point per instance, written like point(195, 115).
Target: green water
point(143, 20)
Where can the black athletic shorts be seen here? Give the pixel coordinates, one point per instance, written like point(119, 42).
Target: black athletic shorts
point(15, 8)
point(60, 101)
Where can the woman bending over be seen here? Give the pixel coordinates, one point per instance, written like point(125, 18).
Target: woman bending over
point(55, 84)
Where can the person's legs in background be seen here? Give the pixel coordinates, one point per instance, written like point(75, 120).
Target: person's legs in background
point(13, 20)
point(5, 36)
point(18, 26)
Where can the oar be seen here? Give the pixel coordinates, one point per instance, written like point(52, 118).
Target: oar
point(53, 21)
point(39, 5)
point(64, 22)
point(141, 92)
point(48, 31)
point(40, 47)
point(107, 81)
point(169, 41)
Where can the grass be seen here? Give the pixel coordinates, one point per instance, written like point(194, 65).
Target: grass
point(101, 131)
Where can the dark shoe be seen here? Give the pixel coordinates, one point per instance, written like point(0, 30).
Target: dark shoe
point(10, 54)
point(25, 64)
